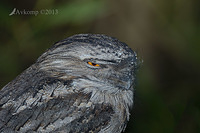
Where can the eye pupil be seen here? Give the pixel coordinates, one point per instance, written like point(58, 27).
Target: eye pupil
point(93, 64)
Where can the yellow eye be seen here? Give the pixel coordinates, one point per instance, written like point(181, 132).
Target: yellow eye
point(93, 64)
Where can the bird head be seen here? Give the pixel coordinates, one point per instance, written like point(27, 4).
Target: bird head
point(91, 60)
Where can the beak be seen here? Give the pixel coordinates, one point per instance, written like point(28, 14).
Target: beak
point(123, 74)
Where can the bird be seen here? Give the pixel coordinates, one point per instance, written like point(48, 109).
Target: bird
point(82, 84)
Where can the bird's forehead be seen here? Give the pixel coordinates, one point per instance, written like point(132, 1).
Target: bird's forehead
point(94, 46)
point(108, 51)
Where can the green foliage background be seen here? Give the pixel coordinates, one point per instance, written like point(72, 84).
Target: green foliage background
point(165, 33)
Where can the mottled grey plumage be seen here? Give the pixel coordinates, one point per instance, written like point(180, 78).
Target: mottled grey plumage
point(63, 92)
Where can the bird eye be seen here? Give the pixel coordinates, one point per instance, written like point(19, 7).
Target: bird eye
point(93, 64)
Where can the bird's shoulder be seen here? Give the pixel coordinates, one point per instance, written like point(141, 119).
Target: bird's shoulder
point(50, 105)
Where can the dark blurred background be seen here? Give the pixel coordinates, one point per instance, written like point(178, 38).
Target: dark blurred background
point(165, 34)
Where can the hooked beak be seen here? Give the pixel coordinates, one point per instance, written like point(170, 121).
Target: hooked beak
point(123, 75)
